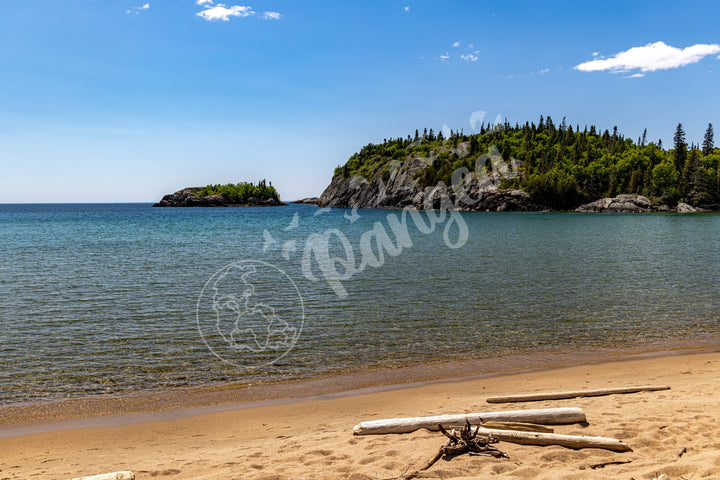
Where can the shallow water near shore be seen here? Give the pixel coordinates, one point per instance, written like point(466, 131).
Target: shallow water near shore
point(113, 299)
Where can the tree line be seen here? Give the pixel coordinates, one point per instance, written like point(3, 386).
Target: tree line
point(558, 165)
point(241, 192)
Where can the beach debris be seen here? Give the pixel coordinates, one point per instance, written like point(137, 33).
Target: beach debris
point(544, 416)
point(518, 426)
point(464, 441)
point(110, 476)
point(536, 397)
point(595, 466)
point(544, 439)
point(681, 452)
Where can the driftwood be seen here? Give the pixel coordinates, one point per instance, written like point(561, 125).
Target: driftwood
point(536, 397)
point(595, 466)
point(569, 441)
point(518, 427)
point(110, 476)
point(545, 416)
point(464, 441)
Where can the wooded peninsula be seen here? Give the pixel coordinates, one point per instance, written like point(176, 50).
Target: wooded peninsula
point(560, 167)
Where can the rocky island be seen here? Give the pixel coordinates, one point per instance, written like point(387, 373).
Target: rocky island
point(229, 195)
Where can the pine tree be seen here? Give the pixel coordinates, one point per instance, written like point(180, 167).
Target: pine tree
point(680, 155)
point(709, 141)
point(644, 138)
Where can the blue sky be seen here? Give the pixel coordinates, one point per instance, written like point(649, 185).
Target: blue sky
point(121, 101)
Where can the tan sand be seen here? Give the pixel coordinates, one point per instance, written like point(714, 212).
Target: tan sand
point(313, 439)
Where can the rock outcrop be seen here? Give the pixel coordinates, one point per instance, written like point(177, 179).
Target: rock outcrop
point(308, 200)
point(619, 204)
point(188, 197)
point(399, 189)
point(636, 204)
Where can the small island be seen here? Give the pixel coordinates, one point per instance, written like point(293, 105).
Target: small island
point(243, 194)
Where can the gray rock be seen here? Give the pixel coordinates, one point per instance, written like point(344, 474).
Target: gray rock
point(683, 207)
point(621, 204)
point(308, 200)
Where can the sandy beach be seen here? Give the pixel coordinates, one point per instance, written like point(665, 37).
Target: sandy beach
point(313, 438)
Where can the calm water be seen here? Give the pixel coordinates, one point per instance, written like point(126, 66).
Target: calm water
point(101, 299)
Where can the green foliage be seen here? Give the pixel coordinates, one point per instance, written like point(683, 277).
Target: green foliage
point(557, 165)
point(241, 192)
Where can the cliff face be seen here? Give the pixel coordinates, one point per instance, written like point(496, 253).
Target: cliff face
point(400, 188)
point(188, 197)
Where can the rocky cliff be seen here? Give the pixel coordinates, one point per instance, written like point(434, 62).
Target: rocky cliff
point(188, 197)
point(399, 187)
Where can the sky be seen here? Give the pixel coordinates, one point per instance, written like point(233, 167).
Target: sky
point(125, 101)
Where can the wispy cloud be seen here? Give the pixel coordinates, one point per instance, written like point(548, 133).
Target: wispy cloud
point(223, 12)
point(456, 44)
point(650, 58)
point(203, 2)
point(137, 10)
point(444, 58)
point(270, 16)
point(406, 8)
point(469, 57)
point(544, 70)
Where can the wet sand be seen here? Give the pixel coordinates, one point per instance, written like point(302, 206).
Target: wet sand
point(285, 438)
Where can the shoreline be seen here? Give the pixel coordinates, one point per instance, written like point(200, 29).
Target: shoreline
point(103, 411)
point(671, 431)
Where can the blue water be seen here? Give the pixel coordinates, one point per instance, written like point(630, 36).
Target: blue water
point(118, 298)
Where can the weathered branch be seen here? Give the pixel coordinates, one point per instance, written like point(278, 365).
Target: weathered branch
point(570, 441)
point(536, 397)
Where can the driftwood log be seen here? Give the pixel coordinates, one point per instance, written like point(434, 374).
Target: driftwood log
point(545, 416)
point(518, 427)
point(110, 476)
point(536, 397)
point(569, 441)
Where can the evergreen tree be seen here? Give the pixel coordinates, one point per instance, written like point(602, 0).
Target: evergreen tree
point(644, 138)
point(709, 141)
point(680, 154)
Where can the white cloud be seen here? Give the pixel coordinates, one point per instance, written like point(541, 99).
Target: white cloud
point(636, 75)
point(270, 16)
point(650, 58)
point(469, 57)
point(137, 10)
point(222, 12)
point(445, 57)
point(203, 2)
point(595, 54)
point(406, 8)
point(544, 70)
point(456, 44)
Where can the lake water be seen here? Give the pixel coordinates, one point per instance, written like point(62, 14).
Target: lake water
point(118, 298)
